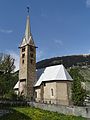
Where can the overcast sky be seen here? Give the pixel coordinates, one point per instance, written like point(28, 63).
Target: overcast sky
point(59, 27)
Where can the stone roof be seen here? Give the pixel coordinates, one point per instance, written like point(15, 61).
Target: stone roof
point(52, 73)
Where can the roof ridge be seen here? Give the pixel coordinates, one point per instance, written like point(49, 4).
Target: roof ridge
point(67, 74)
point(58, 70)
point(64, 72)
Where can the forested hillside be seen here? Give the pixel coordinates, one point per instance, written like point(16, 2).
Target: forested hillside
point(67, 61)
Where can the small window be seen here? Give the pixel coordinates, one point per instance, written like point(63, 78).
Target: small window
point(22, 80)
point(31, 48)
point(31, 55)
point(23, 55)
point(52, 92)
point(23, 49)
point(22, 61)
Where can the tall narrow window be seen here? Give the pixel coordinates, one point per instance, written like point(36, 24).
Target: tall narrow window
point(23, 55)
point(22, 61)
point(52, 92)
point(31, 48)
point(23, 49)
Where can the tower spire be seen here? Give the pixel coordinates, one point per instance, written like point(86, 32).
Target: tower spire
point(28, 30)
point(28, 38)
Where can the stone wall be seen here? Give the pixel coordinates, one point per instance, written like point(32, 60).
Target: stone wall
point(73, 110)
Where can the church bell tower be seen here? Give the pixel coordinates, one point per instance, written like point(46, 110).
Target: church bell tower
point(27, 68)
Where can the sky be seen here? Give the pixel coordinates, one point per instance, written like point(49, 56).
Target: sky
point(59, 27)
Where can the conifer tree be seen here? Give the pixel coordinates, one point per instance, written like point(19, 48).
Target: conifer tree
point(78, 93)
point(6, 75)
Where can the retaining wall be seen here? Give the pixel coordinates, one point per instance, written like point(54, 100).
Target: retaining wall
point(69, 110)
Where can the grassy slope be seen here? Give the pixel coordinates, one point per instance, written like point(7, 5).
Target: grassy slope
point(36, 114)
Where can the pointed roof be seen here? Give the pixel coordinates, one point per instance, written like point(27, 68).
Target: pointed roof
point(27, 39)
point(27, 31)
point(17, 85)
point(52, 73)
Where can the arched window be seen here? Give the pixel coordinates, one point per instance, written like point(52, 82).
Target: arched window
point(22, 61)
point(52, 94)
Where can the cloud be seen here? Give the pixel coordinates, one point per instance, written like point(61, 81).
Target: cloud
point(59, 42)
point(16, 57)
point(6, 31)
point(39, 55)
point(88, 3)
point(88, 51)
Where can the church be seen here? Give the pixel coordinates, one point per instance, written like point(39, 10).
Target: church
point(50, 85)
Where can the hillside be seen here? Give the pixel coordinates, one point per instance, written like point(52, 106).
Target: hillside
point(67, 61)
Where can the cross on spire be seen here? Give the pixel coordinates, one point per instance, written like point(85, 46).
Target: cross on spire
point(28, 9)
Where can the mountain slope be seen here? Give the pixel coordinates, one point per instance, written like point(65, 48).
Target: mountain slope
point(67, 61)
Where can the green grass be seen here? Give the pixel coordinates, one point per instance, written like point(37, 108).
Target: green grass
point(29, 113)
